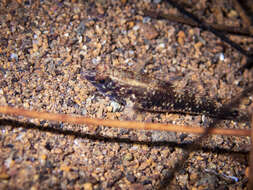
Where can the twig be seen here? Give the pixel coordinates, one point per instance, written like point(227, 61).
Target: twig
point(120, 124)
point(205, 26)
point(190, 22)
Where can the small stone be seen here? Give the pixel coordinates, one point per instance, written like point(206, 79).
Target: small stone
point(146, 19)
point(130, 24)
point(43, 158)
point(81, 28)
point(100, 10)
point(115, 106)
point(181, 37)
point(65, 168)
point(57, 151)
point(148, 31)
point(128, 157)
point(4, 176)
point(221, 57)
point(183, 179)
point(125, 41)
point(136, 27)
point(197, 46)
point(109, 108)
point(14, 56)
point(2, 98)
point(132, 35)
point(9, 162)
point(161, 46)
point(232, 14)
point(26, 105)
point(247, 172)
point(88, 186)
point(131, 178)
point(212, 166)
point(199, 158)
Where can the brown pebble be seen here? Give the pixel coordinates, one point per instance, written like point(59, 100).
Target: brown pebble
point(130, 24)
point(148, 31)
point(88, 186)
point(4, 176)
point(123, 1)
point(247, 172)
point(128, 157)
point(65, 168)
point(181, 37)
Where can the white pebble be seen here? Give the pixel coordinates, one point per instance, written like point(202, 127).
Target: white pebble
point(221, 57)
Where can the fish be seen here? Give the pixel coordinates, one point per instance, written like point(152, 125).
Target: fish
point(153, 95)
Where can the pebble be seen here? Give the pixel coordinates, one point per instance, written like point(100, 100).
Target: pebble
point(183, 179)
point(14, 56)
point(146, 20)
point(181, 37)
point(115, 106)
point(131, 178)
point(163, 136)
point(221, 57)
point(65, 168)
point(81, 28)
point(88, 186)
point(128, 157)
point(4, 176)
point(148, 31)
point(44, 50)
point(232, 14)
point(247, 172)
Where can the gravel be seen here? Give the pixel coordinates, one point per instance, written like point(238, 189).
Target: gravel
point(44, 48)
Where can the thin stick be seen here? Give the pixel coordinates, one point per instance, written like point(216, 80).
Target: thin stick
point(190, 22)
point(205, 26)
point(120, 124)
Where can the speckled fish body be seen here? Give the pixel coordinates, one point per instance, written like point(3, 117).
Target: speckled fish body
point(150, 94)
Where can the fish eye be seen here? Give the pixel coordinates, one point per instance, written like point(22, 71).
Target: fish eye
point(102, 81)
point(235, 113)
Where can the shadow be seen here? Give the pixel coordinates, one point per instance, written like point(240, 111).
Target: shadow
point(196, 143)
point(55, 129)
point(248, 65)
point(188, 147)
point(219, 34)
point(205, 26)
point(233, 103)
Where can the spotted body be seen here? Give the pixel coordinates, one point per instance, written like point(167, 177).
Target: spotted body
point(150, 94)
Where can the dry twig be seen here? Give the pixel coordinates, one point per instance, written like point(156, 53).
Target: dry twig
point(190, 22)
point(120, 124)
